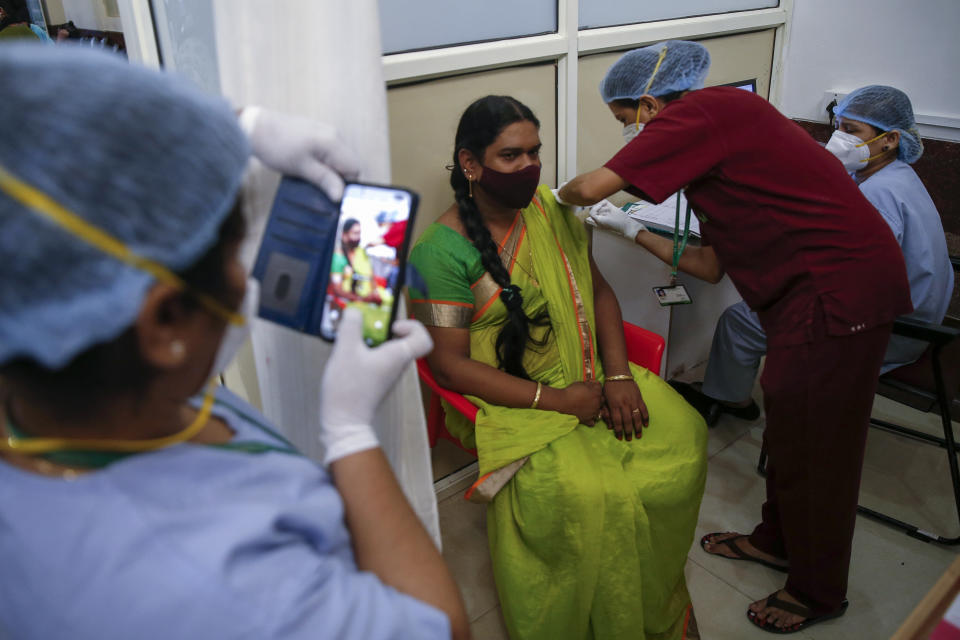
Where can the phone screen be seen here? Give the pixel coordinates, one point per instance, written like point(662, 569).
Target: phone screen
point(369, 255)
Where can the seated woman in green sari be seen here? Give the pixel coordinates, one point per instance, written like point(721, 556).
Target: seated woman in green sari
point(590, 536)
point(353, 282)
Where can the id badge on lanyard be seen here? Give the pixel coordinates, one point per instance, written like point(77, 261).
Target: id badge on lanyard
point(676, 293)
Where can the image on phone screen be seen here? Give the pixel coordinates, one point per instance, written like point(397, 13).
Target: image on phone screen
point(366, 271)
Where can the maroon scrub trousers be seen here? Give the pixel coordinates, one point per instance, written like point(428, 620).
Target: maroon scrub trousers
point(818, 397)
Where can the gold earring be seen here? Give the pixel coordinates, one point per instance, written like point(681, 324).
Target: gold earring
point(470, 182)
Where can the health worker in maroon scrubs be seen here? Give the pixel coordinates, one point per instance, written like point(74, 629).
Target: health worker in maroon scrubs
point(778, 214)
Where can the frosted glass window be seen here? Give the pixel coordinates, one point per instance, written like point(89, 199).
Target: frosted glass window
point(609, 13)
point(90, 23)
point(86, 15)
point(407, 25)
point(186, 39)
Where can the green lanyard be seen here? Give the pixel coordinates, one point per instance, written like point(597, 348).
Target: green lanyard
point(101, 459)
point(679, 246)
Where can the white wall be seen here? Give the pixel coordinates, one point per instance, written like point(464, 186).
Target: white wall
point(54, 11)
point(423, 122)
point(842, 45)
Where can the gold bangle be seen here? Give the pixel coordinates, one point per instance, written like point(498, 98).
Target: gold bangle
point(536, 398)
point(620, 377)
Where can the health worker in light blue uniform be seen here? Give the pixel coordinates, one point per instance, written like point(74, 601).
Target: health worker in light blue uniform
point(137, 502)
point(877, 141)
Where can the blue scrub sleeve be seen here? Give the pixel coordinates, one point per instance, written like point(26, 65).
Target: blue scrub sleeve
point(336, 601)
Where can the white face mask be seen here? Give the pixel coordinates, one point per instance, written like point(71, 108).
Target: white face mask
point(236, 335)
point(631, 131)
point(849, 149)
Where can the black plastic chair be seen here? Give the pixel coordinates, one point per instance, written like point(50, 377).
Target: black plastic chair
point(930, 384)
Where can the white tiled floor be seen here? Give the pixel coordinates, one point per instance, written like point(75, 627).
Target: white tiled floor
point(890, 571)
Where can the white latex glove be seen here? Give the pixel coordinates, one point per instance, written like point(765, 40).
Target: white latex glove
point(356, 380)
point(606, 215)
point(300, 147)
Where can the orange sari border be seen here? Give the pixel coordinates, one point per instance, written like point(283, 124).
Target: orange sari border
point(506, 237)
point(511, 243)
point(583, 325)
point(485, 289)
point(486, 306)
point(487, 486)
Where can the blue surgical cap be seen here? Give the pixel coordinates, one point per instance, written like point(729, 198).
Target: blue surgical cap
point(657, 70)
point(887, 109)
point(136, 153)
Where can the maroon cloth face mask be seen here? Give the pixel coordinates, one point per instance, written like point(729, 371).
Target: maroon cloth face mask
point(514, 190)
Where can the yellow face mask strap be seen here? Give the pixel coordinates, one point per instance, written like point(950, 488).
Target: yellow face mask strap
point(663, 54)
point(46, 206)
point(871, 140)
point(35, 446)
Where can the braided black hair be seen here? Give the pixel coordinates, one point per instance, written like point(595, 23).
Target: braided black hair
point(479, 126)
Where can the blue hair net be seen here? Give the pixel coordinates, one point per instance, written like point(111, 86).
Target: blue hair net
point(136, 153)
point(657, 70)
point(887, 109)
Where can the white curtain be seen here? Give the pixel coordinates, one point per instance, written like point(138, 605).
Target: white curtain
point(321, 59)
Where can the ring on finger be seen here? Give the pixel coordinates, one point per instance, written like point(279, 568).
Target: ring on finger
point(637, 410)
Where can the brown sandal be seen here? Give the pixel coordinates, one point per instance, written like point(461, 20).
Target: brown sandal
point(796, 609)
point(731, 543)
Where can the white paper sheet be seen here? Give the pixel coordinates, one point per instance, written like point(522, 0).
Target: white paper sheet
point(663, 216)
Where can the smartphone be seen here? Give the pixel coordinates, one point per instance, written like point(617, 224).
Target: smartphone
point(368, 264)
point(318, 258)
point(293, 264)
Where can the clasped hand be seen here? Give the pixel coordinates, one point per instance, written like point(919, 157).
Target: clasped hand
point(624, 410)
point(583, 400)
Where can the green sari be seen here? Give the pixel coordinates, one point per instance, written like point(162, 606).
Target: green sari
point(359, 278)
point(589, 539)
point(18, 31)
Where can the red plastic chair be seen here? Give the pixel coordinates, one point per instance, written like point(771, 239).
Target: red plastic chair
point(644, 348)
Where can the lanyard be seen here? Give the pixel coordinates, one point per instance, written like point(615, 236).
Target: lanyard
point(33, 446)
point(679, 246)
point(94, 458)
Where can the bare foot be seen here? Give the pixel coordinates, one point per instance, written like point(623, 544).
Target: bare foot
point(715, 546)
point(775, 616)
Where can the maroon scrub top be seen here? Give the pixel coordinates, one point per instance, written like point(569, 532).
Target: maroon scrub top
point(786, 221)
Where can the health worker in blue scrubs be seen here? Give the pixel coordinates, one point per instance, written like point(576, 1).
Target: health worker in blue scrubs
point(138, 500)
